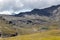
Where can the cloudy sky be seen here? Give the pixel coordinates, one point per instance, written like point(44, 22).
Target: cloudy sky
point(15, 6)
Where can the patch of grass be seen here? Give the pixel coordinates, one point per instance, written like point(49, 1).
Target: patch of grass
point(36, 36)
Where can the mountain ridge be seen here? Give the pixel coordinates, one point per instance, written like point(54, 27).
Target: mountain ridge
point(41, 12)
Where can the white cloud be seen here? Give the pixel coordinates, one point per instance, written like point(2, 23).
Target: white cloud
point(6, 12)
point(10, 6)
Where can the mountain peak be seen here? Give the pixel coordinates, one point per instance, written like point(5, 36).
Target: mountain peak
point(36, 10)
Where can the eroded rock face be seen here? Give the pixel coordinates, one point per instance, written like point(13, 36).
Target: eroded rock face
point(0, 34)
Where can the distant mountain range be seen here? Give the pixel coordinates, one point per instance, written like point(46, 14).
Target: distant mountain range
point(41, 12)
point(52, 12)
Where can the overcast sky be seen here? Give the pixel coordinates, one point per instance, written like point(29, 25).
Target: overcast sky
point(11, 6)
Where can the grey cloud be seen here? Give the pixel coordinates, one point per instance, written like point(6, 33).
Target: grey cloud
point(20, 5)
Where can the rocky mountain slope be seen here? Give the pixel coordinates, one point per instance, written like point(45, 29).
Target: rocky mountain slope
point(50, 12)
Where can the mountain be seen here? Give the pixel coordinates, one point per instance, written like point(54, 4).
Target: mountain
point(51, 13)
point(36, 16)
point(37, 20)
point(41, 12)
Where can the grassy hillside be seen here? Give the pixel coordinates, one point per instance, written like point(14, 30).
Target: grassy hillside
point(36, 32)
point(49, 35)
